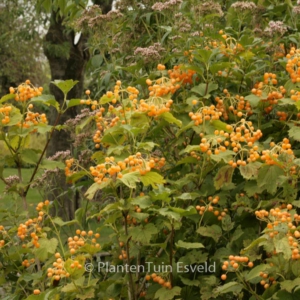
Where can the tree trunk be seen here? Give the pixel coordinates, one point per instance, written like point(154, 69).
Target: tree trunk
point(67, 61)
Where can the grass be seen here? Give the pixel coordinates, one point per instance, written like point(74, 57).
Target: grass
point(9, 201)
point(37, 142)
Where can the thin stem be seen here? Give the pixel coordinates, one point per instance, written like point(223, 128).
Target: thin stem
point(42, 155)
point(131, 290)
point(171, 253)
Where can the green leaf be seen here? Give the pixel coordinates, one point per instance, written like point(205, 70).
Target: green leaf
point(268, 177)
point(214, 68)
point(286, 101)
point(282, 245)
point(187, 160)
point(203, 55)
point(190, 148)
point(253, 100)
point(73, 102)
point(191, 210)
point(220, 125)
point(227, 225)
point(61, 223)
point(167, 213)
point(48, 295)
point(152, 178)
point(46, 249)
point(289, 285)
point(186, 245)
point(43, 128)
point(167, 116)
point(211, 87)
point(223, 176)
point(85, 122)
point(65, 86)
point(253, 275)
point(7, 97)
point(96, 187)
point(143, 202)
point(130, 179)
point(187, 196)
point(166, 294)
point(75, 273)
point(226, 156)
point(143, 234)
point(69, 288)
point(294, 133)
point(147, 146)
point(97, 60)
point(185, 128)
point(230, 287)
point(213, 231)
point(250, 171)
point(253, 244)
point(199, 89)
point(29, 156)
point(296, 268)
point(15, 116)
point(48, 100)
point(189, 282)
point(104, 99)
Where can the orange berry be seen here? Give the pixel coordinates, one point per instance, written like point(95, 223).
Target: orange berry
point(224, 277)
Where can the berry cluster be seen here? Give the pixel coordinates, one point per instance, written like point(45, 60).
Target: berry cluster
point(284, 149)
point(234, 263)
point(25, 91)
point(282, 115)
point(123, 254)
point(266, 280)
point(155, 106)
point(235, 104)
point(160, 280)
point(205, 113)
point(69, 164)
point(241, 140)
point(134, 163)
point(102, 124)
point(57, 271)
point(81, 238)
point(162, 87)
point(4, 114)
point(3, 232)
point(31, 227)
point(268, 94)
point(295, 95)
point(209, 207)
point(293, 64)
point(228, 47)
point(133, 221)
point(275, 220)
point(185, 77)
point(27, 263)
point(33, 119)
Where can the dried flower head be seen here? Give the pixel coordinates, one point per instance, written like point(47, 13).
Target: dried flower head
point(150, 54)
point(243, 6)
point(296, 10)
point(169, 5)
point(209, 7)
point(276, 28)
